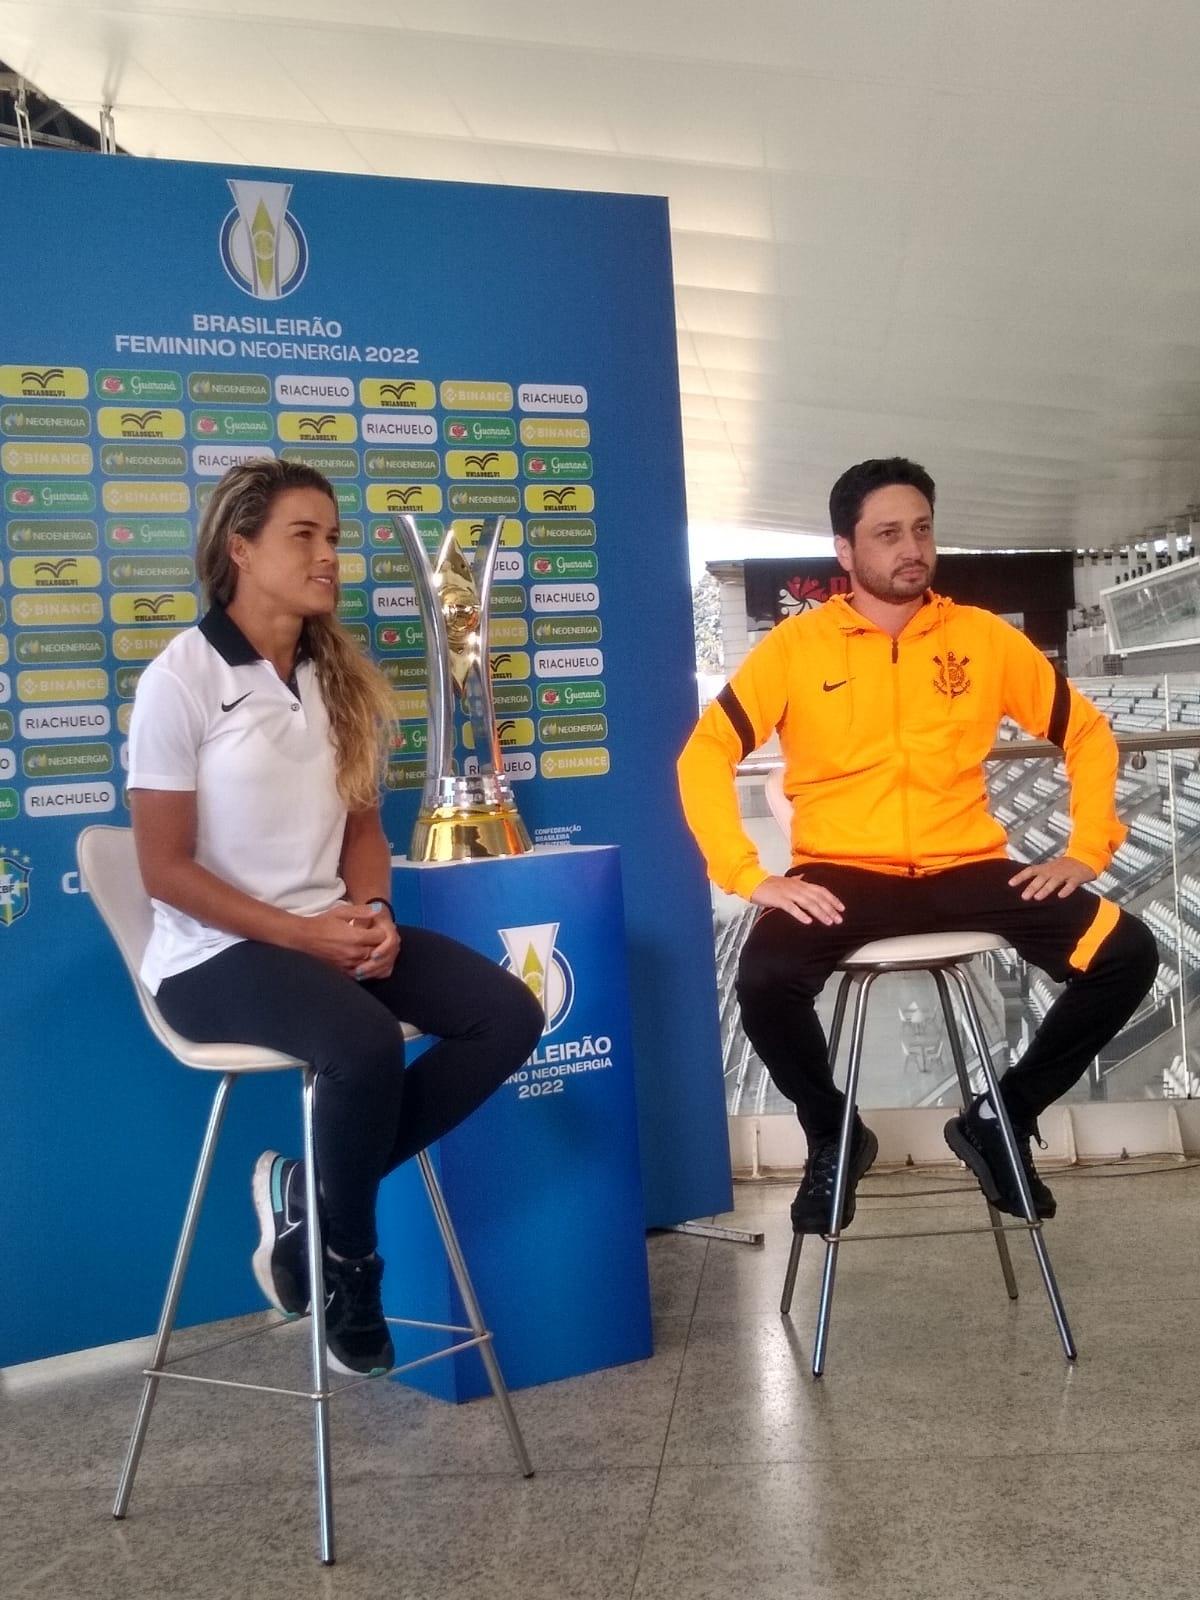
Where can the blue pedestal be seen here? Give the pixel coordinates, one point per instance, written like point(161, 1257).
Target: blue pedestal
point(543, 1181)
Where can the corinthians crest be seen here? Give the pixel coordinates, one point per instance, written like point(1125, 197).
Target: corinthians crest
point(951, 676)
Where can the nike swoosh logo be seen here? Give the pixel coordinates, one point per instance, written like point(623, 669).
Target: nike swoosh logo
point(838, 685)
point(230, 705)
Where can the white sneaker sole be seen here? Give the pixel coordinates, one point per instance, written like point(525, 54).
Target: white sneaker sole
point(353, 1372)
point(260, 1261)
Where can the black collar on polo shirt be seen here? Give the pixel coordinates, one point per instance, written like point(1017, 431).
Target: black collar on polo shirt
point(226, 638)
point(232, 645)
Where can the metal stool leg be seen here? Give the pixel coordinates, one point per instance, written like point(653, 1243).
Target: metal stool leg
point(320, 1360)
point(479, 1328)
point(789, 1277)
point(1010, 1146)
point(843, 1162)
point(964, 1084)
point(170, 1306)
point(835, 1039)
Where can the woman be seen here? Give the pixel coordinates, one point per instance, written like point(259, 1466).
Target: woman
point(255, 754)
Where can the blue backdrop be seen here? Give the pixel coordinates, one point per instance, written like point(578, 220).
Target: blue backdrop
point(458, 349)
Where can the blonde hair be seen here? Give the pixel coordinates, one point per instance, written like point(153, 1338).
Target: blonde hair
point(356, 694)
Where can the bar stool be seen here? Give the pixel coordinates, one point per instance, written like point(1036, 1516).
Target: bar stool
point(944, 957)
point(109, 872)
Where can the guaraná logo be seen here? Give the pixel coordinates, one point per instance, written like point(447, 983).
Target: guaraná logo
point(544, 970)
point(263, 248)
point(14, 886)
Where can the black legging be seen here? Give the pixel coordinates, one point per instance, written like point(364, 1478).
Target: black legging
point(371, 1114)
point(785, 964)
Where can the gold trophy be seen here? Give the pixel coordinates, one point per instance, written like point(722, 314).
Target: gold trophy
point(474, 814)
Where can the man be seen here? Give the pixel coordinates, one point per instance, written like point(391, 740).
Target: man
point(886, 701)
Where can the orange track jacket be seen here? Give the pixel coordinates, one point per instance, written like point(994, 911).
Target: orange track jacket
point(883, 743)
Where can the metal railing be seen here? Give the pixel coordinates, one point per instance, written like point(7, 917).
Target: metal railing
point(1133, 744)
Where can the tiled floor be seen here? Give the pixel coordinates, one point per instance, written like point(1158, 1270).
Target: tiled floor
point(948, 1452)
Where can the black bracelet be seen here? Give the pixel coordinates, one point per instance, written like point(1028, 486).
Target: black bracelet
point(378, 900)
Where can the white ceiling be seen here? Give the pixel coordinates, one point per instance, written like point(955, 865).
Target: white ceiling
point(963, 230)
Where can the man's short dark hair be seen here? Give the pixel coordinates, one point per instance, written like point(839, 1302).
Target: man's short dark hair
point(856, 483)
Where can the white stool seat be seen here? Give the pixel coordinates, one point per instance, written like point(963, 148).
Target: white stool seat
point(108, 861)
point(235, 1057)
point(922, 947)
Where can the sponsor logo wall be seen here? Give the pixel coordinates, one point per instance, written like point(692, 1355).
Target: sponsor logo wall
point(238, 315)
point(537, 598)
point(134, 586)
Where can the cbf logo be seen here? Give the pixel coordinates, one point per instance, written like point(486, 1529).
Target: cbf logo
point(263, 248)
point(14, 886)
point(544, 970)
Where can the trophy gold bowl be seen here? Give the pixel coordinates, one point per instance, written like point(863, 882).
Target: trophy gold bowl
point(461, 815)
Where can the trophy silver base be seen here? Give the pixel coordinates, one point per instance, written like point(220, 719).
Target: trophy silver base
point(468, 833)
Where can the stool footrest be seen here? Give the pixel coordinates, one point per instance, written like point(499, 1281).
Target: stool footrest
point(930, 1233)
point(333, 1392)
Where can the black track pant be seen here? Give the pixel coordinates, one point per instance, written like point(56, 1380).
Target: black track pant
point(1106, 957)
point(371, 1114)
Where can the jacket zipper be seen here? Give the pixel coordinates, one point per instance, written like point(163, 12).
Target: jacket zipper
point(910, 869)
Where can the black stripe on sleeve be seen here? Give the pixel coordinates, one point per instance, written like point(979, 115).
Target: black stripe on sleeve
point(733, 709)
point(1060, 711)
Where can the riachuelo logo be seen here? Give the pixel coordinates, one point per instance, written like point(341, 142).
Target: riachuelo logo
point(263, 248)
point(15, 869)
point(533, 957)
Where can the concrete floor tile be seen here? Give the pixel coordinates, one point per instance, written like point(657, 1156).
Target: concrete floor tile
point(1055, 1528)
point(911, 1380)
point(74, 1434)
point(949, 1450)
point(676, 1262)
point(568, 1536)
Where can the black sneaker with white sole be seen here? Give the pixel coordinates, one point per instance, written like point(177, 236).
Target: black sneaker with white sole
point(358, 1338)
point(281, 1260)
point(977, 1140)
point(814, 1198)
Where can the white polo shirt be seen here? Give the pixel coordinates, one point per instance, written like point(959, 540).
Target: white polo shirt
point(212, 717)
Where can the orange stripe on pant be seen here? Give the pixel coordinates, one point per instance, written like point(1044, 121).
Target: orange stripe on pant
point(1102, 924)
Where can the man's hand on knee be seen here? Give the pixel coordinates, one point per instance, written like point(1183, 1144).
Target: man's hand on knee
point(807, 902)
point(1062, 875)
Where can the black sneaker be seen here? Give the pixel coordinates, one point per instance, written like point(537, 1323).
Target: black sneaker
point(281, 1261)
point(978, 1141)
point(359, 1342)
point(814, 1197)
